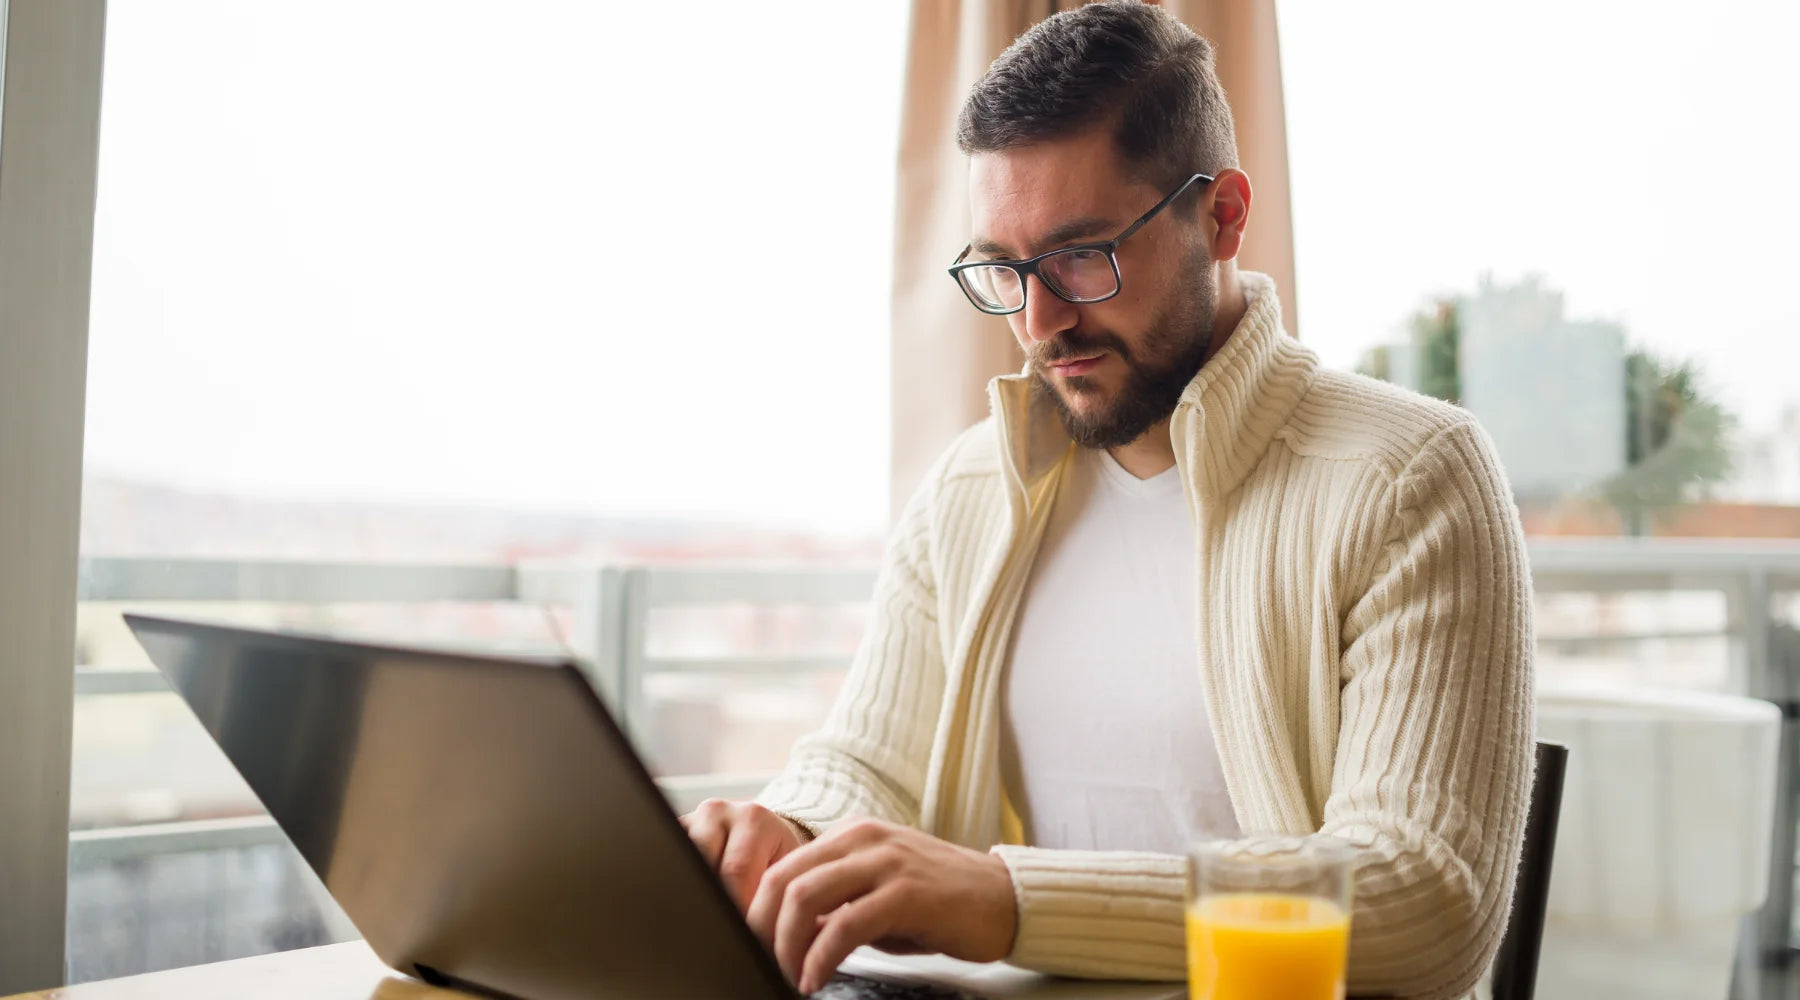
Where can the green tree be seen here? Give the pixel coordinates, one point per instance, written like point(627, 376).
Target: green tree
point(1677, 441)
point(1377, 362)
point(1433, 336)
point(1436, 339)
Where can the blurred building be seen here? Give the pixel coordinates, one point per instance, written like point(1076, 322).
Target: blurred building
point(1550, 390)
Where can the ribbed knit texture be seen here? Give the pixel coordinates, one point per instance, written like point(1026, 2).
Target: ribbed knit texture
point(1364, 646)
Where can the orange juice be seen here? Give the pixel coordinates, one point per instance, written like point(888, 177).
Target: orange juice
point(1255, 946)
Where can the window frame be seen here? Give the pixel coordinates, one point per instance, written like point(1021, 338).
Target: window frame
point(50, 73)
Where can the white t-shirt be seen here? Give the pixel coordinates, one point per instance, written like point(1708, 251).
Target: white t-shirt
point(1105, 740)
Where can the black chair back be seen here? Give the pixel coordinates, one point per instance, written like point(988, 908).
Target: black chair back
point(1515, 969)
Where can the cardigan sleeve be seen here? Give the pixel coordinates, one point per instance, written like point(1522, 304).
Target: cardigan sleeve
point(870, 756)
point(1432, 769)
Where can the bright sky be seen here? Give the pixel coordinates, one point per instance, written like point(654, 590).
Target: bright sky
point(1641, 156)
point(627, 258)
point(591, 257)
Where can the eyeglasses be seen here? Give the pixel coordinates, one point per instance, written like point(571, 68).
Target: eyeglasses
point(1080, 274)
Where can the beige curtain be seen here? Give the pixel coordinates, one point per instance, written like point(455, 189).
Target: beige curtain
point(943, 351)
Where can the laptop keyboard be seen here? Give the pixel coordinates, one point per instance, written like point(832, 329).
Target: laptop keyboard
point(844, 986)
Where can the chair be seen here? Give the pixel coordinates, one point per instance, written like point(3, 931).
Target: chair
point(1515, 968)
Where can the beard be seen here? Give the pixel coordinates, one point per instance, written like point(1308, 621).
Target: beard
point(1158, 370)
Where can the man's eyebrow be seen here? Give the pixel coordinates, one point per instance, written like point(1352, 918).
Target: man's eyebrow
point(1091, 225)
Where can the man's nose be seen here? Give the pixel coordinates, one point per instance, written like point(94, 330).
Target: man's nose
point(1045, 314)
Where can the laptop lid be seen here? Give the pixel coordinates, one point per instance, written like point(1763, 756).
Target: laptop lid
point(481, 819)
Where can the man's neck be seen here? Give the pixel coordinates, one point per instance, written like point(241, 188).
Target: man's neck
point(1152, 454)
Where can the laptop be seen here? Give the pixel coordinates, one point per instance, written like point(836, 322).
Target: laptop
point(486, 825)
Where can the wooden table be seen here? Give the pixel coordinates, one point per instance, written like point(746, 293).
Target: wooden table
point(334, 972)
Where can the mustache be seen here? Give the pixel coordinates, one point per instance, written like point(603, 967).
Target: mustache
point(1069, 346)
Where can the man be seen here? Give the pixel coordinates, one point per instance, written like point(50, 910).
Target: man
point(1183, 584)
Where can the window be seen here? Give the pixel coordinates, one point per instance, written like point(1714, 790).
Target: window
point(1574, 219)
point(1571, 218)
point(390, 298)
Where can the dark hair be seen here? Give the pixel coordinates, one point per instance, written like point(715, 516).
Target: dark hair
point(1119, 63)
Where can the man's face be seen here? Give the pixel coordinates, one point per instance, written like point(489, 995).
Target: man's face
point(1114, 368)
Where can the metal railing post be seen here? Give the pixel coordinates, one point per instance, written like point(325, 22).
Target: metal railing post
point(634, 617)
point(599, 623)
point(1770, 657)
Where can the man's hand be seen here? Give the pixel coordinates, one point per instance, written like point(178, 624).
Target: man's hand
point(740, 840)
point(869, 882)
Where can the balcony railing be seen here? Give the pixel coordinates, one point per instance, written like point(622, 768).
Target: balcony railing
point(612, 606)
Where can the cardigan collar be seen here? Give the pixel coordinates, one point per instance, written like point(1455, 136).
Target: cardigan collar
point(1224, 422)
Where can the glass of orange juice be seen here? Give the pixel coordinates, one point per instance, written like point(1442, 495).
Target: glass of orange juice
point(1268, 920)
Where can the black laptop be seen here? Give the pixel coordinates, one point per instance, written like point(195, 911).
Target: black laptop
point(486, 825)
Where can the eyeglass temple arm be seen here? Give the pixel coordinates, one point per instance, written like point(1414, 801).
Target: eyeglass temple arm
point(1159, 206)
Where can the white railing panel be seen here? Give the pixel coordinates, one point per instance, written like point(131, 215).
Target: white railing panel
point(747, 665)
point(278, 581)
point(123, 843)
point(92, 847)
point(106, 680)
point(1615, 560)
point(665, 585)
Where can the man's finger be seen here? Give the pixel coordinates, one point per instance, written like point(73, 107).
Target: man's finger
point(851, 926)
point(815, 894)
point(746, 856)
point(708, 834)
point(767, 904)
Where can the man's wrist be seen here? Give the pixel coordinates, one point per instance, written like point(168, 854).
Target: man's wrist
point(1010, 906)
point(801, 830)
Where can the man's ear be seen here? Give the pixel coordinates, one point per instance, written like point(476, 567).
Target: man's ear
point(1227, 208)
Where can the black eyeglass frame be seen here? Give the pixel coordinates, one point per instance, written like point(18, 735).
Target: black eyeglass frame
point(1026, 268)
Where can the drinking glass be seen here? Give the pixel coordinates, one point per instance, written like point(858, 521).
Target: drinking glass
point(1268, 920)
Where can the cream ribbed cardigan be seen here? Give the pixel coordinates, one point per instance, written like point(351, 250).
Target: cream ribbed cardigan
point(1364, 645)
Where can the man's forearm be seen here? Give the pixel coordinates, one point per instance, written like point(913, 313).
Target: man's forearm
point(1122, 914)
point(1099, 914)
